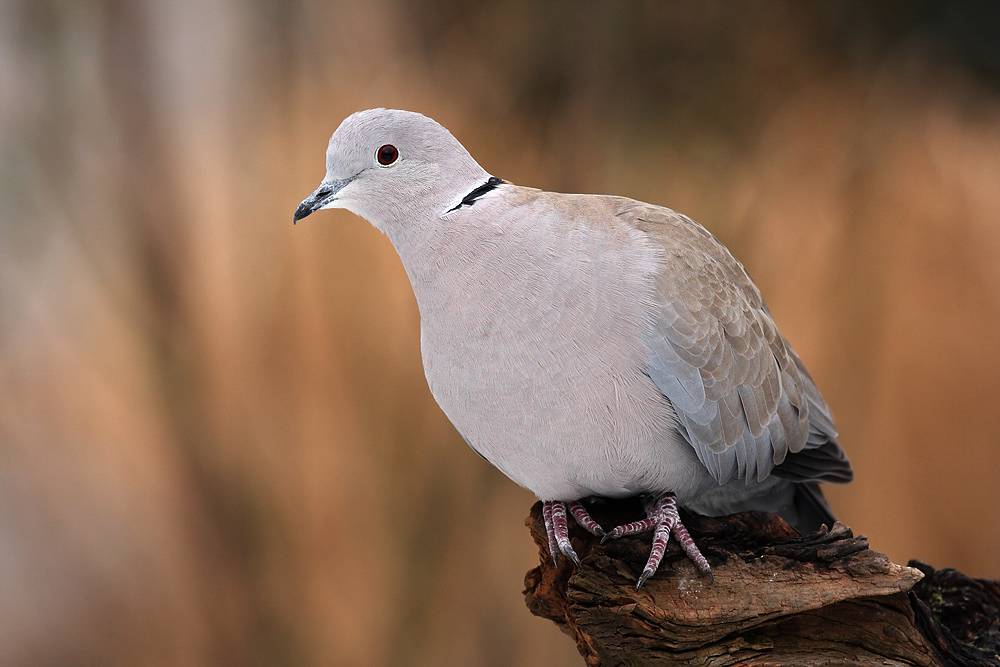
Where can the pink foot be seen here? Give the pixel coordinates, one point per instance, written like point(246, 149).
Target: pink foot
point(557, 527)
point(663, 519)
point(583, 518)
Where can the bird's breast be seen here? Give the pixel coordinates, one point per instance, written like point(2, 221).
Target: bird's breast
point(533, 348)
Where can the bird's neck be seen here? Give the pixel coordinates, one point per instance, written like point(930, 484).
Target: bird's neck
point(432, 252)
point(447, 256)
point(421, 219)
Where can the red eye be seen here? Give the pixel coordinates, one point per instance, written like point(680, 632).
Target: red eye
point(387, 155)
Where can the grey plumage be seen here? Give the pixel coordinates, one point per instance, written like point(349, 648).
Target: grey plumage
point(589, 344)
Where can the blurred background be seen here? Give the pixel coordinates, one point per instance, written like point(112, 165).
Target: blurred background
point(216, 442)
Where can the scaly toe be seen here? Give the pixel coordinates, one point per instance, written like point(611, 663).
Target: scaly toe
point(663, 513)
point(643, 526)
point(557, 529)
point(583, 518)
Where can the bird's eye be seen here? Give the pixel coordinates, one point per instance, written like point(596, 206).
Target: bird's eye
point(386, 155)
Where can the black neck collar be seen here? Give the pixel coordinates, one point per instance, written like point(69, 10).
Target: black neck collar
point(470, 199)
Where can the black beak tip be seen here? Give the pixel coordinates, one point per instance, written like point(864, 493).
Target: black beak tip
point(314, 202)
point(302, 211)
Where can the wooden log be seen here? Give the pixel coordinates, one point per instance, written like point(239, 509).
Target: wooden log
point(778, 599)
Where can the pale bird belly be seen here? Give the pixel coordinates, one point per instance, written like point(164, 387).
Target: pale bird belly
point(569, 430)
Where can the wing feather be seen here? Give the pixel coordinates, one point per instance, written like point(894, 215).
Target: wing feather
point(743, 399)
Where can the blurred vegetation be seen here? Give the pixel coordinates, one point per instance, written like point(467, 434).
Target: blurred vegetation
point(216, 444)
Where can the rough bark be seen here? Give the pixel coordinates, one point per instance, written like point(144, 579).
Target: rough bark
point(778, 599)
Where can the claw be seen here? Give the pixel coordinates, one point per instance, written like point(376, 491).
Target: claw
point(583, 518)
point(567, 550)
point(557, 530)
point(550, 531)
point(561, 530)
point(664, 520)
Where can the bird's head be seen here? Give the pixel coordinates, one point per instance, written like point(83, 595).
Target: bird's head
point(390, 166)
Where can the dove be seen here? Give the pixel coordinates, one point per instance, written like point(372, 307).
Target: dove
point(589, 346)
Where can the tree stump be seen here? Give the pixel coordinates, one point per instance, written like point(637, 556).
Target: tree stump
point(778, 599)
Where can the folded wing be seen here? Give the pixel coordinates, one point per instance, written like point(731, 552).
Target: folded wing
point(743, 399)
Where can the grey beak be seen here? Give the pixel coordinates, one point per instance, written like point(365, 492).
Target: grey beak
point(324, 194)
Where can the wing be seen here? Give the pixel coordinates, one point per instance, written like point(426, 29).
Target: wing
point(743, 400)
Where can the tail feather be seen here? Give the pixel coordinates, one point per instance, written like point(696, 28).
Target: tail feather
point(825, 463)
point(811, 508)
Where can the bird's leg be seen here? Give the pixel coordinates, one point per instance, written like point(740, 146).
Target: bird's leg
point(663, 519)
point(557, 529)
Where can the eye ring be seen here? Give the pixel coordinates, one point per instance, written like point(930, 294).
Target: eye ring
point(386, 155)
